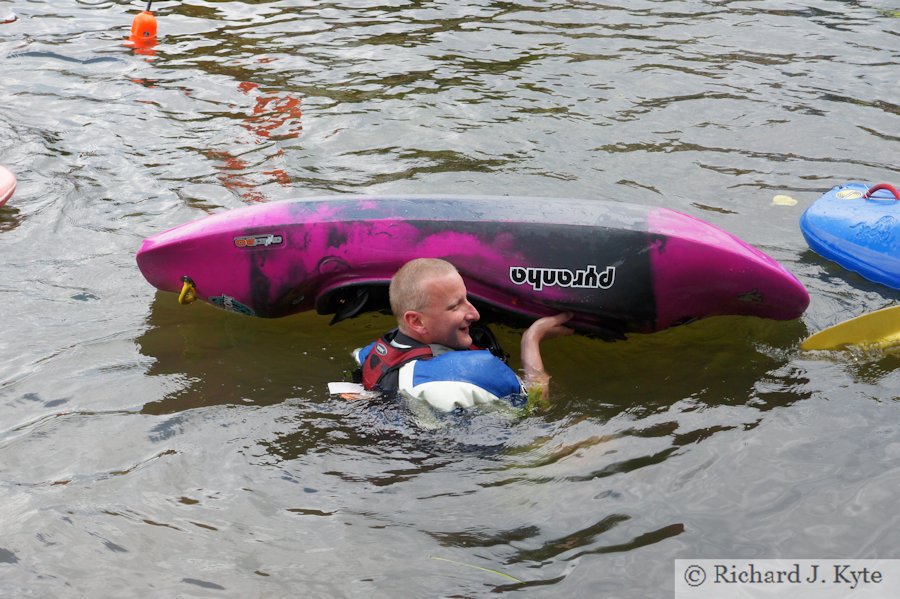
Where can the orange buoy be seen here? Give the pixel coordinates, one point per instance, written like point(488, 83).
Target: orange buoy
point(143, 28)
point(143, 32)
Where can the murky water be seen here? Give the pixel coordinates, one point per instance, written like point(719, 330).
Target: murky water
point(151, 449)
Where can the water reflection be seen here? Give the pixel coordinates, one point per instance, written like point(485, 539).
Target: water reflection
point(675, 386)
point(214, 357)
point(10, 217)
point(274, 117)
point(877, 368)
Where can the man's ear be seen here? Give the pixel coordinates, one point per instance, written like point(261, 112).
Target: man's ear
point(414, 323)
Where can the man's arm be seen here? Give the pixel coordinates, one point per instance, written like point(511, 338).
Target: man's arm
point(544, 328)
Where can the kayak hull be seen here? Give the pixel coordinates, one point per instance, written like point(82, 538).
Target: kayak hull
point(861, 234)
point(618, 267)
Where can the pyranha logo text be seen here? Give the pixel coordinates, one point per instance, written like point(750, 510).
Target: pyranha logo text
point(586, 278)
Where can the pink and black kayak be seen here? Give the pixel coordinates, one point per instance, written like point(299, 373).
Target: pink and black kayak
point(618, 267)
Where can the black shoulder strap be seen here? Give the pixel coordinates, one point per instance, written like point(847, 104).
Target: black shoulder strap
point(484, 338)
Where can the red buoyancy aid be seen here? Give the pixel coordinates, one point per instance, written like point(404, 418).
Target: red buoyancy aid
point(385, 358)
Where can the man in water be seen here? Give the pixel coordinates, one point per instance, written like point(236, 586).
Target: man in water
point(430, 355)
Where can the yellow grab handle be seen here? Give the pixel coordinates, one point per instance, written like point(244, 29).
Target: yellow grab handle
point(188, 291)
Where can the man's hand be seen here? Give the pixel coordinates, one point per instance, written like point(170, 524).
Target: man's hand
point(540, 330)
point(549, 327)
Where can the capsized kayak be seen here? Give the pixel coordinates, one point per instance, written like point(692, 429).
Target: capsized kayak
point(618, 267)
point(857, 225)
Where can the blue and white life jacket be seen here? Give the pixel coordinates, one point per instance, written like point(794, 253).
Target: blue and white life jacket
point(443, 377)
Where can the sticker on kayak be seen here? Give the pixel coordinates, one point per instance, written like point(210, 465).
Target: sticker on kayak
point(848, 194)
point(257, 241)
point(232, 305)
point(587, 278)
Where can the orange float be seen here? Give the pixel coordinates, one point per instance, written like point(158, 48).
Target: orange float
point(143, 30)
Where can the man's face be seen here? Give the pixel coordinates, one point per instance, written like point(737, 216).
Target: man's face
point(448, 314)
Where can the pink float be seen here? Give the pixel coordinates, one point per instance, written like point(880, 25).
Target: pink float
point(7, 184)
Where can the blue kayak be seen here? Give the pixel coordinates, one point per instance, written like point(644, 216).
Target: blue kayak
point(858, 226)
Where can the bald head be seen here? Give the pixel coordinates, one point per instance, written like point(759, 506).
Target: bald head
point(428, 298)
point(409, 289)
